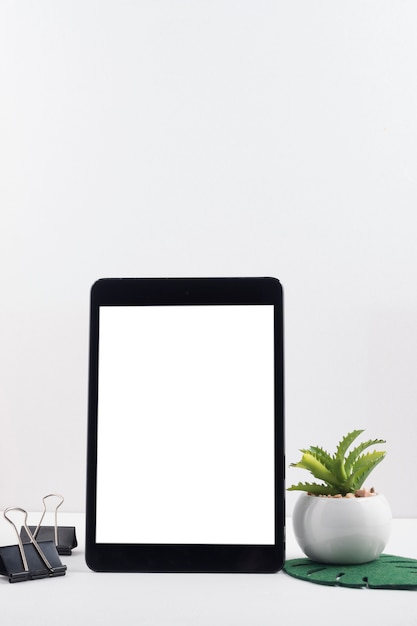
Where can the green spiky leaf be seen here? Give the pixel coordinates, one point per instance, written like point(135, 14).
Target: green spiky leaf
point(322, 456)
point(367, 460)
point(346, 442)
point(315, 488)
point(354, 454)
point(316, 467)
point(363, 470)
point(339, 470)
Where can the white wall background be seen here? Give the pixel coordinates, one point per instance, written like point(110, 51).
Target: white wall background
point(210, 137)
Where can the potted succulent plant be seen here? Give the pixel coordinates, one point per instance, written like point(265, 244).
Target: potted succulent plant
point(337, 520)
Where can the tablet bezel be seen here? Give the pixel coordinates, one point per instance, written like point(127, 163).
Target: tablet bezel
point(184, 557)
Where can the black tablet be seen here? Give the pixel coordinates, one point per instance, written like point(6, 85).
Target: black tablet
point(185, 469)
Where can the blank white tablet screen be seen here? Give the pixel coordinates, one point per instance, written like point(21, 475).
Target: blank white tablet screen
point(185, 446)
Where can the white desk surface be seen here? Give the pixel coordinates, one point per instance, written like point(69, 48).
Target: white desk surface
point(83, 597)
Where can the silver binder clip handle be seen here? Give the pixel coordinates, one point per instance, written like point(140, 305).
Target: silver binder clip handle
point(50, 495)
point(31, 537)
point(19, 541)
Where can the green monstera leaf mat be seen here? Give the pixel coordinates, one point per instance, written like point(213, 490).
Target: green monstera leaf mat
point(386, 572)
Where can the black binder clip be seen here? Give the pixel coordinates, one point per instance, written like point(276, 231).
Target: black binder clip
point(63, 536)
point(31, 560)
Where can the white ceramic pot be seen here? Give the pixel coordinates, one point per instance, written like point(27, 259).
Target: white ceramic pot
point(342, 530)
